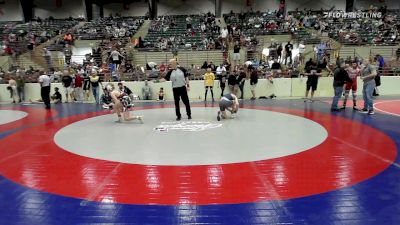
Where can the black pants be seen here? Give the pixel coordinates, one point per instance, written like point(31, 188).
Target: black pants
point(222, 90)
point(45, 93)
point(241, 86)
point(181, 93)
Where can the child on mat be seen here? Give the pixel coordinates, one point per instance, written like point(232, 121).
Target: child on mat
point(228, 102)
point(161, 95)
point(56, 97)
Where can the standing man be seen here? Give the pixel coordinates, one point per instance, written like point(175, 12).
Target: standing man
point(95, 82)
point(180, 86)
point(288, 50)
point(312, 81)
point(368, 74)
point(68, 54)
point(78, 87)
point(340, 77)
point(20, 86)
point(236, 54)
point(67, 82)
point(47, 57)
point(44, 81)
point(253, 82)
point(146, 91)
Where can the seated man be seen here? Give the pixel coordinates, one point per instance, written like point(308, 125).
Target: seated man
point(228, 102)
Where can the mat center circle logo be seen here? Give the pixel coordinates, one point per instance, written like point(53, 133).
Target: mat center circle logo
point(187, 126)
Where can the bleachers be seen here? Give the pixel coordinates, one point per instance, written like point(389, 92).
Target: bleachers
point(174, 30)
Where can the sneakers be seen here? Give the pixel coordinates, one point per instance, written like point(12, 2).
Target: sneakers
point(335, 109)
point(252, 98)
point(355, 108)
point(189, 117)
point(219, 116)
point(178, 118)
point(371, 112)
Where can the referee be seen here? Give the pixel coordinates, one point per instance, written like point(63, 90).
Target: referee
point(180, 86)
point(44, 81)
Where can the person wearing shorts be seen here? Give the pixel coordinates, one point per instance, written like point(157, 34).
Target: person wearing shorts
point(67, 82)
point(312, 79)
point(353, 71)
point(228, 102)
point(236, 54)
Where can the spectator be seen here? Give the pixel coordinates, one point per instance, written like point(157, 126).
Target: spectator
point(398, 54)
point(279, 52)
point(12, 86)
point(78, 83)
point(232, 82)
point(209, 78)
point(253, 82)
point(224, 35)
point(94, 82)
point(68, 54)
point(116, 58)
point(240, 80)
point(302, 50)
point(205, 65)
point(288, 50)
point(180, 86)
point(67, 82)
point(220, 70)
point(236, 53)
point(312, 81)
point(340, 77)
point(161, 96)
point(21, 86)
point(222, 83)
point(68, 39)
point(106, 99)
point(56, 97)
point(146, 91)
point(86, 85)
point(47, 57)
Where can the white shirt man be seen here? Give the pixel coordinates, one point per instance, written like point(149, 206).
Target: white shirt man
point(220, 69)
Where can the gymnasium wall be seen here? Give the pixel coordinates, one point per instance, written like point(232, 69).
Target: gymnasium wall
point(135, 9)
point(282, 87)
point(11, 11)
point(46, 8)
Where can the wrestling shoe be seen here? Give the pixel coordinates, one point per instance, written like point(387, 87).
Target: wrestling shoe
point(189, 117)
point(355, 108)
point(140, 118)
point(178, 118)
point(219, 116)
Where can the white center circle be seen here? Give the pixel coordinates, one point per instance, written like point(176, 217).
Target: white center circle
point(252, 136)
point(8, 116)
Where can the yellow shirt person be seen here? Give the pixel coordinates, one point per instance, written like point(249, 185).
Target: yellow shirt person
point(209, 78)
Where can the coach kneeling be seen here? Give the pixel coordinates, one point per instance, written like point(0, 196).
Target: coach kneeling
point(180, 86)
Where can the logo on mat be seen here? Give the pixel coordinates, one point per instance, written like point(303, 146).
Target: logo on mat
point(187, 126)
